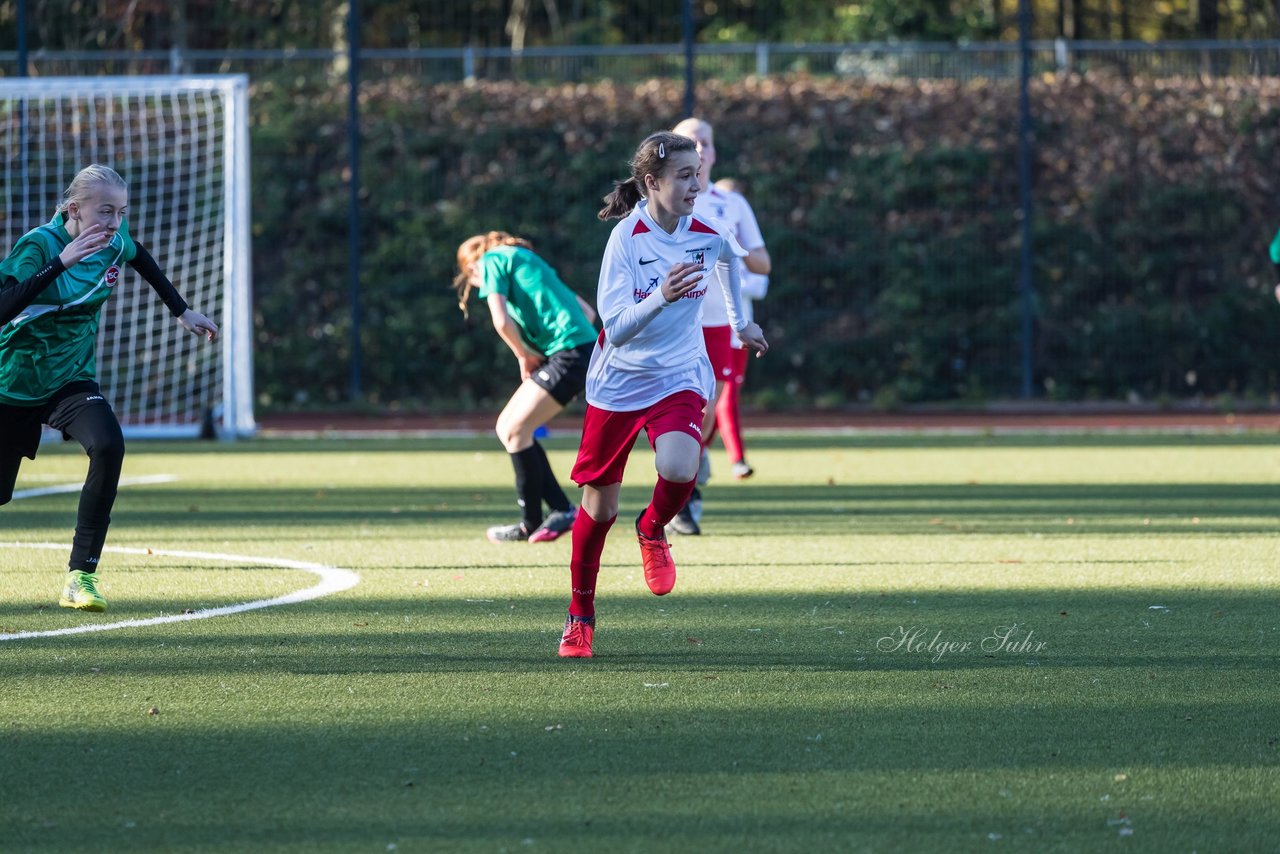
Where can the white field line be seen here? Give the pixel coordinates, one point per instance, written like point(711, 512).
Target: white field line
point(332, 579)
point(76, 487)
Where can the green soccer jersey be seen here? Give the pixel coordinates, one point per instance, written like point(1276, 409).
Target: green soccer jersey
point(53, 341)
point(544, 308)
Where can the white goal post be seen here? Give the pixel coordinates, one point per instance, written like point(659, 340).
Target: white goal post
point(182, 145)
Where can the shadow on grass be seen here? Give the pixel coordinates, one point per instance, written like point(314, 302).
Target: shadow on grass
point(860, 631)
point(1151, 508)
point(766, 719)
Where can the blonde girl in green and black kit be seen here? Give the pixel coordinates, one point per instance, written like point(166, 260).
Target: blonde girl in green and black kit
point(52, 287)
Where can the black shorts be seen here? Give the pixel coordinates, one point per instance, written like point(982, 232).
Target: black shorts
point(564, 374)
point(20, 425)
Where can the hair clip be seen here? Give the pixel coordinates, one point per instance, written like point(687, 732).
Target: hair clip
point(662, 150)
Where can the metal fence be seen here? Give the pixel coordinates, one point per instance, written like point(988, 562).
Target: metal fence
point(711, 61)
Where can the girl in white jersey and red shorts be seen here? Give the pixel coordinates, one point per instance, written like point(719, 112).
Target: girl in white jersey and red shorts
point(649, 369)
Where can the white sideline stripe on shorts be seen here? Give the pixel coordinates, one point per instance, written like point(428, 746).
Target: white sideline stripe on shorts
point(76, 487)
point(332, 580)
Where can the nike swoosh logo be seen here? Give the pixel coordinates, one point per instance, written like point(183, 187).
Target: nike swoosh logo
point(650, 261)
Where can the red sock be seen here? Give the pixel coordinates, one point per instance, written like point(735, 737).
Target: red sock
point(584, 564)
point(668, 497)
point(729, 422)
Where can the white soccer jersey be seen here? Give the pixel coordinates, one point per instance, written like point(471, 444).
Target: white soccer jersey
point(650, 350)
point(734, 214)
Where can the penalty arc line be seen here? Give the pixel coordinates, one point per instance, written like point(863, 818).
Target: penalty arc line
point(332, 579)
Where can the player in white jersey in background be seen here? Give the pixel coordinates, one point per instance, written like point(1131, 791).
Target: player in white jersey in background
point(649, 369)
point(728, 358)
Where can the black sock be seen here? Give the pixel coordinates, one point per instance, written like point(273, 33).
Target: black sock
point(551, 491)
point(529, 485)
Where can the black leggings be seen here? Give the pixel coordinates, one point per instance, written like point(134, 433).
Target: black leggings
point(88, 419)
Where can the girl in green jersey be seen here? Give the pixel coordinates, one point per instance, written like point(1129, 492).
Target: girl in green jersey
point(52, 287)
point(549, 330)
point(1274, 251)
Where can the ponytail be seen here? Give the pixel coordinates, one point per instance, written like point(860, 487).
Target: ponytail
point(625, 196)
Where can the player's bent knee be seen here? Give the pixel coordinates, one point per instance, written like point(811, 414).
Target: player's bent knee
point(107, 449)
point(678, 472)
point(514, 435)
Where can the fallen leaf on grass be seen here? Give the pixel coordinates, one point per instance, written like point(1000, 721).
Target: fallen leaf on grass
point(694, 641)
point(153, 711)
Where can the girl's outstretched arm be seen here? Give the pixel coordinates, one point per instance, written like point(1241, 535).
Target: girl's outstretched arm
point(190, 319)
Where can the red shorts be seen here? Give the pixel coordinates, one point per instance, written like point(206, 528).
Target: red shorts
point(607, 437)
point(728, 362)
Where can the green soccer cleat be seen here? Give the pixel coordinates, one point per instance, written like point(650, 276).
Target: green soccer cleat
point(82, 593)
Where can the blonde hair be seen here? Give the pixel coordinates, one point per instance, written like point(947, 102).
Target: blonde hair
point(88, 178)
point(650, 159)
point(471, 250)
point(688, 127)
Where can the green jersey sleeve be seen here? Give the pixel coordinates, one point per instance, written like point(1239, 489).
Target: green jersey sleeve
point(27, 257)
point(495, 275)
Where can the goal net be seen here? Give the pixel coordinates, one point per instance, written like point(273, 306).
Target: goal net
point(181, 144)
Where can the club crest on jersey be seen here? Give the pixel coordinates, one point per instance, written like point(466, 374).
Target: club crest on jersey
point(111, 276)
point(696, 255)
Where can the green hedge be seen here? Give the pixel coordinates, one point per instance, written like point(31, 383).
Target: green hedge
point(890, 211)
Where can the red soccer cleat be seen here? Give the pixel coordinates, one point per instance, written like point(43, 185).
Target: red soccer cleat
point(659, 568)
point(576, 640)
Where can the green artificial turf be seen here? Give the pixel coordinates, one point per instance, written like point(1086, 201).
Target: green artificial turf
point(904, 643)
